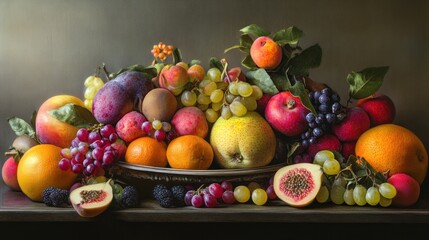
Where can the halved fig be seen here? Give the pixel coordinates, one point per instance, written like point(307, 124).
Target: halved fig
point(298, 184)
point(92, 200)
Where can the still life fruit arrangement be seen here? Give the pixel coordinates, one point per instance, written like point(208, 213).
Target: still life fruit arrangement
point(182, 115)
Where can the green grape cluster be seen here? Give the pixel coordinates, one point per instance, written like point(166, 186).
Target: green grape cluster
point(346, 187)
point(218, 98)
point(92, 85)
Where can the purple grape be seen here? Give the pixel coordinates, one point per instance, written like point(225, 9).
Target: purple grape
point(88, 154)
point(97, 163)
point(317, 95)
point(323, 99)
point(335, 97)
point(90, 168)
point(197, 201)
point(113, 137)
point(97, 144)
point(147, 127)
point(312, 140)
point(188, 197)
point(330, 118)
point(159, 135)
point(82, 134)
point(227, 185)
point(83, 147)
point(106, 130)
point(87, 161)
point(323, 108)
point(108, 158)
point(97, 154)
point(305, 143)
point(79, 157)
point(310, 117)
point(271, 193)
point(210, 201)
point(326, 91)
point(93, 136)
point(336, 107)
point(216, 190)
point(74, 151)
point(306, 158)
point(77, 168)
point(317, 132)
point(75, 142)
point(64, 164)
point(228, 197)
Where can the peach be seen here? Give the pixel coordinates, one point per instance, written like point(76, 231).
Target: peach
point(159, 104)
point(51, 130)
point(173, 78)
point(353, 125)
point(379, 107)
point(266, 53)
point(407, 190)
point(9, 174)
point(128, 127)
point(196, 73)
point(190, 121)
point(326, 142)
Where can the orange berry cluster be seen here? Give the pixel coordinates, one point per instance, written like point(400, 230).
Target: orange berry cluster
point(161, 51)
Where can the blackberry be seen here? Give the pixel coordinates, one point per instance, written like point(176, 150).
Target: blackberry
point(55, 197)
point(157, 190)
point(166, 198)
point(179, 193)
point(130, 196)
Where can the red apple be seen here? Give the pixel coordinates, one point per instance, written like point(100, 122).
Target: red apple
point(286, 114)
point(379, 107)
point(9, 174)
point(353, 125)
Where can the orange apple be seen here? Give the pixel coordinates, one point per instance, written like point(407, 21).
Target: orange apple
point(51, 130)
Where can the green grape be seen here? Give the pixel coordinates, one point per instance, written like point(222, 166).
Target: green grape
point(385, 202)
point(238, 109)
point(156, 124)
point(348, 197)
point(233, 88)
point(203, 83)
point(100, 179)
point(98, 83)
point(222, 85)
point(359, 195)
point(89, 81)
point(217, 106)
point(166, 126)
point(88, 103)
point(229, 97)
point(322, 156)
point(188, 98)
point(214, 74)
point(216, 96)
point(337, 194)
point(259, 196)
point(211, 115)
point(340, 181)
point(387, 190)
point(226, 112)
point(323, 194)
point(209, 88)
point(257, 92)
point(241, 194)
point(244, 89)
point(90, 92)
point(253, 185)
point(250, 103)
point(203, 99)
point(331, 167)
point(203, 107)
point(372, 196)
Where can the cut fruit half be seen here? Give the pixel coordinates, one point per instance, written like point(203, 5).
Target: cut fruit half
point(92, 200)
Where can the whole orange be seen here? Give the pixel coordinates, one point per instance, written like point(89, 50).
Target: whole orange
point(146, 151)
point(389, 147)
point(190, 152)
point(38, 169)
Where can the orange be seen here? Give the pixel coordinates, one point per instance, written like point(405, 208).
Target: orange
point(38, 169)
point(389, 147)
point(146, 151)
point(190, 152)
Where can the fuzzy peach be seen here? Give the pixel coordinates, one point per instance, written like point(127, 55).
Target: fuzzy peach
point(196, 73)
point(51, 130)
point(190, 121)
point(407, 190)
point(173, 78)
point(128, 127)
point(266, 53)
point(9, 174)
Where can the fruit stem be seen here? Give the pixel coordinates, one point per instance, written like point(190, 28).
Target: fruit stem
point(106, 72)
point(225, 70)
point(291, 104)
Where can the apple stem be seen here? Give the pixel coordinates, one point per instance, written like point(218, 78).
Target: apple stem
point(106, 72)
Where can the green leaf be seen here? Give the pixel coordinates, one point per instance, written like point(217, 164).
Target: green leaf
point(261, 78)
point(281, 81)
point(290, 35)
point(74, 115)
point(291, 149)
point(254, 29)
point(21, 127)
point(299, 90)
point(33, 119)
point(310, 57)
point(244, 46)
point(231, 48)
point(249, 63)
point(366, 82)
point(177, 56)
point(215, 63)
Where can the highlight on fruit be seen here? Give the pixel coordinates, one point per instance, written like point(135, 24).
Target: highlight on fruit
point(190, 115)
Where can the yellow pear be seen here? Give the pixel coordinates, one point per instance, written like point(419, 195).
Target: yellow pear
point(243, 142)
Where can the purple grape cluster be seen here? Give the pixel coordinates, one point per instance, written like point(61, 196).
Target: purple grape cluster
point(328, 112)
point(90, 151)
point(211, 196)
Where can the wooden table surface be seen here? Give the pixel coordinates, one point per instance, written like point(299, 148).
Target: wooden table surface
point(16, 207)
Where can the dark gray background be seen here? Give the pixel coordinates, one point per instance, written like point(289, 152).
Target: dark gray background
point(50, 47)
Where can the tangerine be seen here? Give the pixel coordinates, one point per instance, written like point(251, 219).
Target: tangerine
point(190, 152)
point(38, 169)
point(393, 148)
point(146, 151)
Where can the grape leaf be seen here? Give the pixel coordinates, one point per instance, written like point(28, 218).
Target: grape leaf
point(289, 35)
point(299, 90)
point(21, 127)
point(74, 115)
point(215, 63)
point(366, 82)
point(281, 81)
point(310, 57)
point(255, 30)
point(249, 63)
point(194, 62)
point(261, 78)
